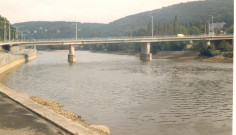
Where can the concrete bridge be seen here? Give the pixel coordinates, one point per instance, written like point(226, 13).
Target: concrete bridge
point(145, 48)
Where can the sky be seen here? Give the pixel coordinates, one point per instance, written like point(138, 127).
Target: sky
point(93, 11)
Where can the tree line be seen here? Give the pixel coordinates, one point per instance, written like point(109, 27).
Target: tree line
point(5, 25)
point(172, 27)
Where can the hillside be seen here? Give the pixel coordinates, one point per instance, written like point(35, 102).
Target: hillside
point(59, 29)
point(222, 10)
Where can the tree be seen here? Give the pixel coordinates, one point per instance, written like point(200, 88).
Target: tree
point(206, 27)
point(194, 31)
point(141, 32)
point(149, 29)
point(170, 27)
point(156, 29)
point(175, 24)
point(181, 30)
point(199, 24)
point(202, 47)
point(225, 46)
point(230, 29)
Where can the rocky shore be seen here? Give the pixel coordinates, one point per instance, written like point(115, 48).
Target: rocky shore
point(56, 107)
point(187, 55)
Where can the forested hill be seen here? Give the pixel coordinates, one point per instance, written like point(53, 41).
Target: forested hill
point(58, 29)
point(222, 10)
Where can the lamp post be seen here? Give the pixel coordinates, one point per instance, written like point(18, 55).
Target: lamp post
point(76, 31)
point(5, 30)
point(212, 26)
point(152, 26)
point(9, 32)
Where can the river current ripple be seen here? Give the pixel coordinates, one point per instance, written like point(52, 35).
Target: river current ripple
point(131, 97)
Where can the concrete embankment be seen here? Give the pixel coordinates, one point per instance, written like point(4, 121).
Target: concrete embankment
point(74, 126)
point(10, 60)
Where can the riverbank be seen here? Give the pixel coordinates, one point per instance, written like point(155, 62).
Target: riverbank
point(188, 55)
point(47, 109)
point(10, 60)
point(179, 55)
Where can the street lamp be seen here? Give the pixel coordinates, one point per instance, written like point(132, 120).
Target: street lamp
point(76, 31)
point(152, 26)
point(9, 32)
point(5, 30)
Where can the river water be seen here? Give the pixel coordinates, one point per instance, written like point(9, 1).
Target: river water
point(131, 97)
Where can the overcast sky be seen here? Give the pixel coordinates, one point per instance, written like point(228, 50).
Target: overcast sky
point(100, 11)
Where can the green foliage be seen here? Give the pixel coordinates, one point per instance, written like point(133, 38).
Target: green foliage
point(182, 30)
point(225, 46)
point(194, 31)
point(230, 29)
point(176, 24)
point(206, 52)
point(222, 10)
point(203, 48)
point(2, 27)
point(141, 32)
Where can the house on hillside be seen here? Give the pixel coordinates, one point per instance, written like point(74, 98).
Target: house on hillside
point(218, 27)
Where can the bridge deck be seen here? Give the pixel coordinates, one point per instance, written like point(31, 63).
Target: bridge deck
point(119, 40)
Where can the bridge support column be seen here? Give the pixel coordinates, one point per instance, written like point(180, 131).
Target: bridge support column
point(208, 43)
point(35, 48)
point(145, 54)
point(71, 55)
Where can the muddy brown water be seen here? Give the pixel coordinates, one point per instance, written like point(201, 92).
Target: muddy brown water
point(131, 97)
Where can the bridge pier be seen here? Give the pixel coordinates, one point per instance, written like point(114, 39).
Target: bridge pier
point(145, 54)
point(71, 55)
point(208, 43)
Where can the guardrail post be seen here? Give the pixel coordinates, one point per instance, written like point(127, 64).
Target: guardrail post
point(71, 55)
point(145, 54)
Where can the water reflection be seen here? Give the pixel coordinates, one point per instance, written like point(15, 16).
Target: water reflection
point(133, 97)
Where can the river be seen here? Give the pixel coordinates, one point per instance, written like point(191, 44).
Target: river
point(131, 97)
